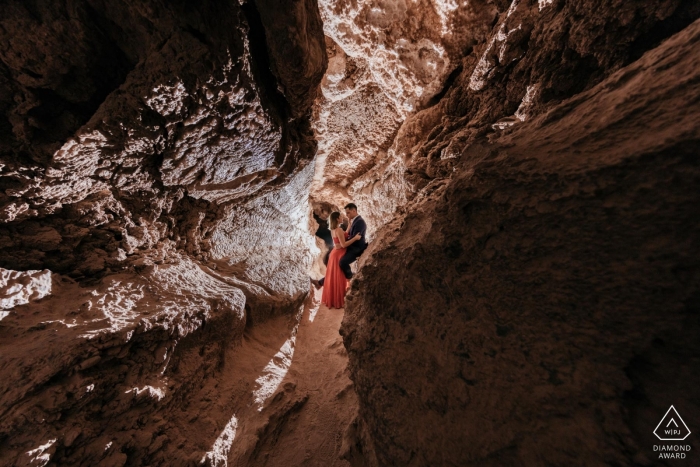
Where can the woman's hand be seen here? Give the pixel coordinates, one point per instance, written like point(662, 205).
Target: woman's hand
point(357, 237)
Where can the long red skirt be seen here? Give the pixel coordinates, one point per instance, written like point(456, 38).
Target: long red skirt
point(335, 284)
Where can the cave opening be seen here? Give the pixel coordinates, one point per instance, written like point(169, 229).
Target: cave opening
point(525, 173)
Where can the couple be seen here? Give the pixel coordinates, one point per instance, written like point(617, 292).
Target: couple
point(348, 246)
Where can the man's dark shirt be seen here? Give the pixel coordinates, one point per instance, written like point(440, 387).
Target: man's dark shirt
point(358, 226)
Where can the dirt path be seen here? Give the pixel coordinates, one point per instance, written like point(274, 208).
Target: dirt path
point(298, 408)
point(312, 436)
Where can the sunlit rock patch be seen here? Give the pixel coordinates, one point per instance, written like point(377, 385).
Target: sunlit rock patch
point(21, 287)
point(386, 61)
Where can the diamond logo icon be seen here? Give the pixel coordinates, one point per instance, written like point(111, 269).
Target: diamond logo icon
point(672, 427)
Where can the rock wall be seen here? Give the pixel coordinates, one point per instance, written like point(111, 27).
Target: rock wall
point(536, 302)
point(386, 60)
point(96, 171)
point(157, 127)
point(538, 54)
point(150, 155)
point(99, 372)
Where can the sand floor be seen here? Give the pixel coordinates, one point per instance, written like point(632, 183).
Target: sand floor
point(302, 400)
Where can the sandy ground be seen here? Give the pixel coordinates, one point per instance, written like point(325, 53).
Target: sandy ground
point(300, 419)
point(279, 396)
point(313, 435)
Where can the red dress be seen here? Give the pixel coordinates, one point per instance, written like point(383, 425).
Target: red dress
point(335, 284)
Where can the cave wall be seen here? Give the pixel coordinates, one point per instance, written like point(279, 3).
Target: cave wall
point(150, 153)
point(536, 301)
point(386, 61)
point(97, 167)
point(538, 54)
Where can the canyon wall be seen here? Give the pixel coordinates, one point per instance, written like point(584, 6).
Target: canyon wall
point(535, 303)
point(155, 159)
point(386, 60)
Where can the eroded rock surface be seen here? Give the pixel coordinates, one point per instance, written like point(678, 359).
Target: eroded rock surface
point(386, 60)
point(538, 54)
point(194, 121)
point(150, 153)
point(21, 287)
point(537, 301)
point(533, 301)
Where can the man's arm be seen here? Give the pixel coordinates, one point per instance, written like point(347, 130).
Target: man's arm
point(360, 227)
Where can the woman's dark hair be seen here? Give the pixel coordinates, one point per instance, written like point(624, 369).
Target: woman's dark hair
point(334, 220)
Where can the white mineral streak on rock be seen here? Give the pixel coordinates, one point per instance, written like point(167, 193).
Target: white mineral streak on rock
point(218, 455)
point(503, 124)
point(155, 393)
point(168, 356)
point(39, 456)
point(487, 62)
point(542, 4)
point(108, 445)
point(21, 287)
point(63, 322)
point(90, 388)
point(523, 110)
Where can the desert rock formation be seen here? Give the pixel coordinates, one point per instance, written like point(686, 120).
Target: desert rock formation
point(148, 150)
point(536, 303)
point(528, 170)
point(386, 60)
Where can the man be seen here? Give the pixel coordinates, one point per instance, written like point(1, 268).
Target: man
point(357, 225)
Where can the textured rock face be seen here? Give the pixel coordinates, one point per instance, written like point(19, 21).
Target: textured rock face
point(534, 301)
point(150, 155)
point(537, 302)
point(190, 121)
point(129, 350)
point(538, 54)
point(386, 59)
point(21, 287)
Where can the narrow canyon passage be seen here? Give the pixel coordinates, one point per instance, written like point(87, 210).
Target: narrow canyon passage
point(526, 289)
point(310, 418)
point(301, 400)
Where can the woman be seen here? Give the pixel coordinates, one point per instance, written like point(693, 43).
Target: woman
point(335, 283)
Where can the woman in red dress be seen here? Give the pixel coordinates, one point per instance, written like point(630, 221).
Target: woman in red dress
point(335, 283)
